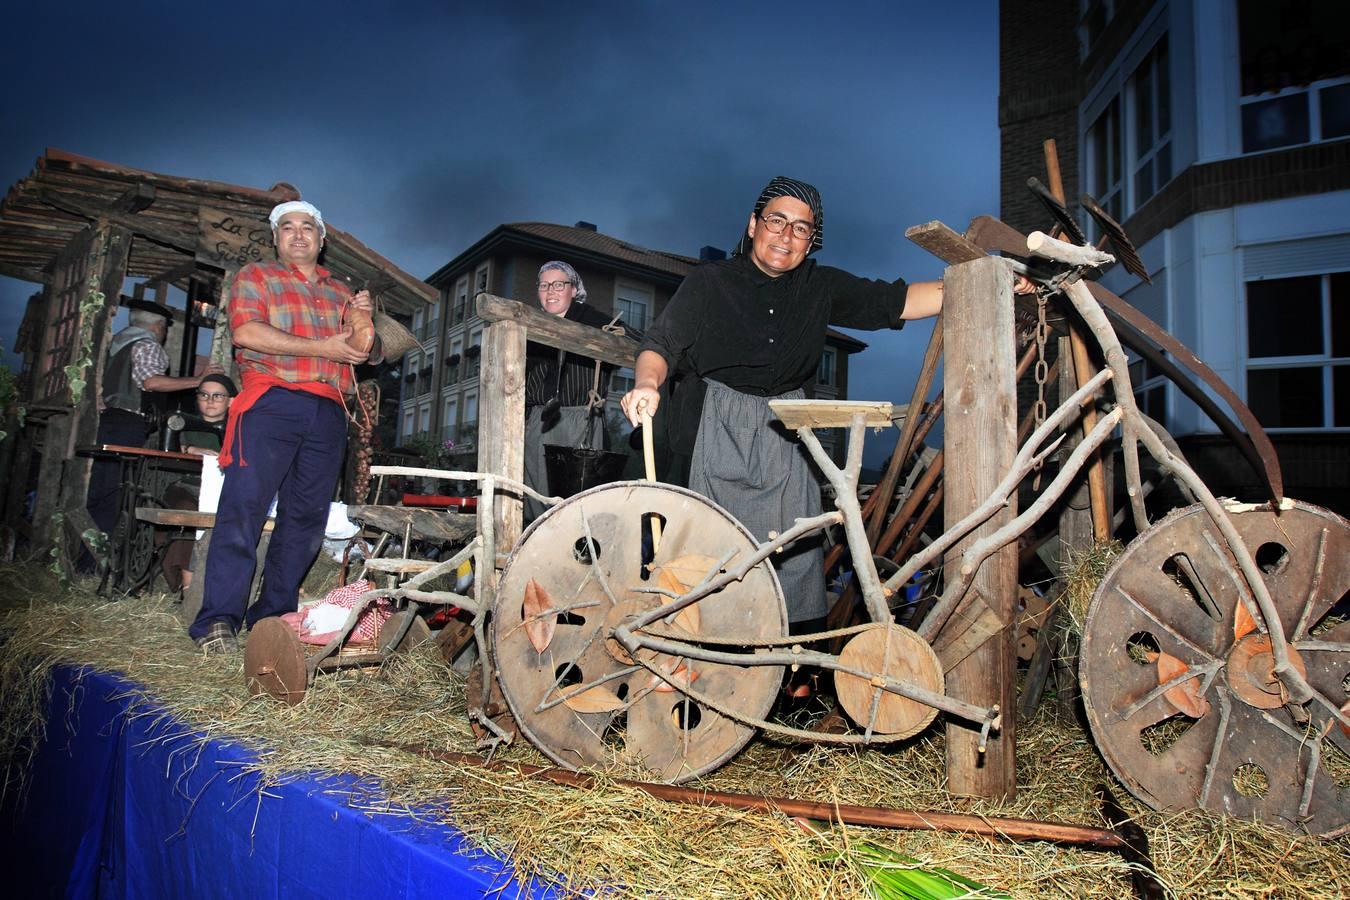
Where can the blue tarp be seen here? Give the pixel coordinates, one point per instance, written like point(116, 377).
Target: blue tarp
point(138, 806)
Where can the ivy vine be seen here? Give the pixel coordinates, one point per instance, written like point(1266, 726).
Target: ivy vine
point(90, 305)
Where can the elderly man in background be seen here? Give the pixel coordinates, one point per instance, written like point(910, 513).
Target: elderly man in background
point(137, 364)
point(558, 384)
point(295, 346)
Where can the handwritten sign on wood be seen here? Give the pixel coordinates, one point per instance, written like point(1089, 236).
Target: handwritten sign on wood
point(230, 240)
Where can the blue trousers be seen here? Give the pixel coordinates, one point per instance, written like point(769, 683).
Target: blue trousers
point(294, 444)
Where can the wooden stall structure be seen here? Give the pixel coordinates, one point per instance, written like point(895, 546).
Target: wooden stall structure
point(81, 228)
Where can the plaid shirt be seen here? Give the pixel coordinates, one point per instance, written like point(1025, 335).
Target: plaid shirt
point(280, 296)
point(147, 358)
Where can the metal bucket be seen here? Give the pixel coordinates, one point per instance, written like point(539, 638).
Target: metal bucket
point(572, 470)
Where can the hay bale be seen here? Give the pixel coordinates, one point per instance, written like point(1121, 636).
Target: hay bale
point(619, 842)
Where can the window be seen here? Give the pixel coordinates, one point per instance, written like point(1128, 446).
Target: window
point(481, 279)
point(452, 369)
point(417, 324)
point(1151, 87)
point(424, 419)
point(474, 354)
point(1298, 351)
point(1092, 18)
point(1148, 383)
point(826, 374)
point(621, 382)
point(461, 300)
point(409, 423)
point(468, 429)
point(1295, 88)
point(1103, 157)
point(633, 303)
point(448, 423)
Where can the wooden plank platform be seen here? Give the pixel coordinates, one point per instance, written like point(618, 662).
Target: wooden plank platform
point(427, 524)
point(835, 413)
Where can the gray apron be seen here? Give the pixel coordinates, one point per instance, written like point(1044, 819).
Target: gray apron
point(747, 463)
point(568, 432)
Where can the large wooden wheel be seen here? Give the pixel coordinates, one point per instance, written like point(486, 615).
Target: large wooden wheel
point(573, 691)
point(1225, 740)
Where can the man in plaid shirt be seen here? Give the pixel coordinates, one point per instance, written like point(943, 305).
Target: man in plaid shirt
point(287, 431)
point(136, 364)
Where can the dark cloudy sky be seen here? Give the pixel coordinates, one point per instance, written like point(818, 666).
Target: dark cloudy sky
point(420, 126)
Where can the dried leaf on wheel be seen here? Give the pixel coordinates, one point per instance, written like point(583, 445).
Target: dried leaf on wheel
point(539, 627)
point(592, 700)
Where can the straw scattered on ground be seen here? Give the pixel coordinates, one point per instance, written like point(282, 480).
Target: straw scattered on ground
point(614, 840)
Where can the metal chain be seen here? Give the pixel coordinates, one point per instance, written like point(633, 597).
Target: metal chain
point(1041, 373)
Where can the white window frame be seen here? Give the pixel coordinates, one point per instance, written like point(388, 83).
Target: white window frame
point(630, 296)
point(449, 423)
point(460, 311)
point(1324, 360)
point(1162, 137)
point(471, 415)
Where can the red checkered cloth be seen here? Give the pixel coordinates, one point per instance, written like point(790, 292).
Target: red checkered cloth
point(368, 626)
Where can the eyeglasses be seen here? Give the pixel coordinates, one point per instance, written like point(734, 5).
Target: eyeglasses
point(553, 285)
point(801, 230)
point(203, 395)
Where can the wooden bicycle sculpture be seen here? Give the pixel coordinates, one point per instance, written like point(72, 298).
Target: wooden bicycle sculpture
point(638, 625)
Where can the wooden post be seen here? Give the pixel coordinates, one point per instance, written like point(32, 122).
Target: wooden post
point(55, 437)
point(111, 247)
point(501, 420)
point(1075, 521)
point(981, 440)
point(501, 398)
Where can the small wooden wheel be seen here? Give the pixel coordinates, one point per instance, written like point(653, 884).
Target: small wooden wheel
point(896, 652)
point(274, 662)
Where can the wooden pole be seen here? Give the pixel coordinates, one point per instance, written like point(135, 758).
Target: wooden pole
point(981, 437)
point(501, 424)
point(1083, 370)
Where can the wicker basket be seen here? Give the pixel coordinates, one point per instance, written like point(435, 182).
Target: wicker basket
point(395, 338)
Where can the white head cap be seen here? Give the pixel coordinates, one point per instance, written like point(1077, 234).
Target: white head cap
point(291, 206)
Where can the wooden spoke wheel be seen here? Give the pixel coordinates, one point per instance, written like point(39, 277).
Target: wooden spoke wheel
point(274, 661)
point(1225, 740)
point(631, 718)
point(896, 652)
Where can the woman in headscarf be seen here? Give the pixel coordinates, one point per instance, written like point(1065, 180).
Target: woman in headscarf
point(558, 385)
point(747, 330)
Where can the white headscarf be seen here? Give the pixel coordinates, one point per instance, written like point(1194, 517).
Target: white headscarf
point(291, 206)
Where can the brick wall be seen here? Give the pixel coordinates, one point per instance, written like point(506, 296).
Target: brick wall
point(1039, 90)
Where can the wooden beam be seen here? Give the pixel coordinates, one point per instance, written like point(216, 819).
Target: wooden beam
point(133, 199)
point(555, 331)
point(185, 269)
point(980, 433)
point(80, 206)
point(23, 273)
point(944, 243)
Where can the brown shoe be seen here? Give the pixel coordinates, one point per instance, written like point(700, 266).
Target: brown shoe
point(219, 638)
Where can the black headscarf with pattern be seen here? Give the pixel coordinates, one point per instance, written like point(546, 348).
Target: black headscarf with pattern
point(788, 187)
